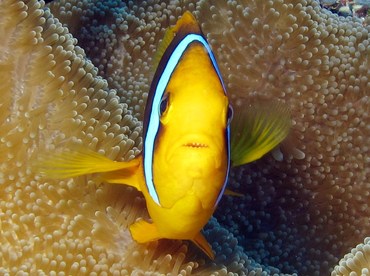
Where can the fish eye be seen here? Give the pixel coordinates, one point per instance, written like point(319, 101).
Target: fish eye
point(230, 114)
point(163, 104)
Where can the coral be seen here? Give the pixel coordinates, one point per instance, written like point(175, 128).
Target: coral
point(357, 262)
point(304, 206)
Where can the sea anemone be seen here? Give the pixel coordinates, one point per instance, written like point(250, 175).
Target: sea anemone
point(304, 206)
point(51, 96)
point(357, 262)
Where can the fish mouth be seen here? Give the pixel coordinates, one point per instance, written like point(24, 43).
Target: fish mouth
point(195, 145)
point(201, 149)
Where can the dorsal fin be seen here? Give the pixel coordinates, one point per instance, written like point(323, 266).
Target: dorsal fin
point(186, 24)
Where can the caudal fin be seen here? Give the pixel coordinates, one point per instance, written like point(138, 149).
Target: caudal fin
point(257, 128)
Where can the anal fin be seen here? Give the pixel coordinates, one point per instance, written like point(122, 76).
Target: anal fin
point(142, 232)
point(202, 243)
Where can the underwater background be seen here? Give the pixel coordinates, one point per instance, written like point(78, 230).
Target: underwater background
point(81, 72)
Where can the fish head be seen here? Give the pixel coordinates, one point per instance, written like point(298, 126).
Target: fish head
point(191, 149)
point(194, 110)
point(186, 123)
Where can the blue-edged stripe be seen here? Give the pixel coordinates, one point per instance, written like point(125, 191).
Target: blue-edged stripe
point(154, 120)
point(228, 165)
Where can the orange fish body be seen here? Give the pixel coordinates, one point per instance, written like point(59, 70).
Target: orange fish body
point(185, 155)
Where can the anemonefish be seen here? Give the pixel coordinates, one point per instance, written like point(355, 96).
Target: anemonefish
point(189, 142)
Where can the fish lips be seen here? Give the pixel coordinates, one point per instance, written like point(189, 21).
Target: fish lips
point(199, 149)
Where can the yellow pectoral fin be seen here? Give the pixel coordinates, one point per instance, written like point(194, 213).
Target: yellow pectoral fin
point(129, 175)
point(232, 193)
point(81, 161)
point(142, 231)
point(256, 129)
point(202, 243)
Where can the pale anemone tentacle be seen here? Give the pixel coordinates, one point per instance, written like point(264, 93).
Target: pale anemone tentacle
point(356, 262)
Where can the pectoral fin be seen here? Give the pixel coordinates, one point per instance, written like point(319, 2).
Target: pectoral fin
point(257, 127)
point(80, 161)
point(142, 231)
point(202, 243)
